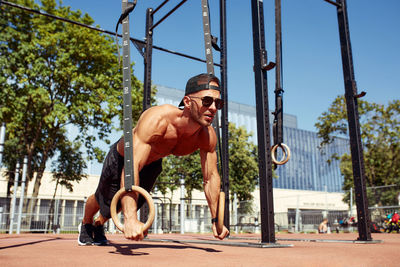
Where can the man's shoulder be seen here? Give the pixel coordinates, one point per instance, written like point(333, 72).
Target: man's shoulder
point(158, 118)
point(166, 107)
point(207, 138)
point(161, 110)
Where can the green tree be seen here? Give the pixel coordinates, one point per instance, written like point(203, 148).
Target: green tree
point(68, 168)
point(380, 134)
point(55, 74)
point(187, 168)
point(243, 164)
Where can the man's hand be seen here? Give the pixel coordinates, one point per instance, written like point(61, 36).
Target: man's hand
point(224, 233)
point(133, 229)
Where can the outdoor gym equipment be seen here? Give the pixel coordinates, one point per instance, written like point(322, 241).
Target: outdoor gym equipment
point(220, 212)
point(121, 193)
point(129, 180)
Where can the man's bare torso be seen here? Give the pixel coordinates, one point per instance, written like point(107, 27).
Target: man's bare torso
point(167, 131)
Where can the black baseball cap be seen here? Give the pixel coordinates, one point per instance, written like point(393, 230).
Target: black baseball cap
point(201, 82)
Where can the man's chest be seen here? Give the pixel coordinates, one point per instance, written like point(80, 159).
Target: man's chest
point(177, 147)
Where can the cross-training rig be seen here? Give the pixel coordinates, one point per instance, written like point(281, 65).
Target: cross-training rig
point(261, 66)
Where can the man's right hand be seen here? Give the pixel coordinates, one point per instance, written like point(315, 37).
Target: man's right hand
point(133, 229)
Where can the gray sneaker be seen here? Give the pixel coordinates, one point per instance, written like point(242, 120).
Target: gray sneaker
point(99, 236)
point(85, 235)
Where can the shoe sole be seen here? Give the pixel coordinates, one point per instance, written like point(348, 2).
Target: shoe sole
point(100, 243)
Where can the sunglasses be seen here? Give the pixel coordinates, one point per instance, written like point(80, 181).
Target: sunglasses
point(208, 100)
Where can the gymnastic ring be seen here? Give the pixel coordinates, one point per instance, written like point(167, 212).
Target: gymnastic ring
point(117, 196)
point(220, 212)
point(286, 152)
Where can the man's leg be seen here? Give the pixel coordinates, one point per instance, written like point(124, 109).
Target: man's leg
point(86, 228)
point(90, 234)
point(91, 208)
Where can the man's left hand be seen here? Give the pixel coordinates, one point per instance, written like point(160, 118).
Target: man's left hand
point(222, 235)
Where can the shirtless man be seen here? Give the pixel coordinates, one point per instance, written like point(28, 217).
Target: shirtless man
point(161, 131)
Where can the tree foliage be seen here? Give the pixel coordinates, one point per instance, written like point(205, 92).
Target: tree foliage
point(70, 165)
point(55, 75)
point(187, 168)
point(243, 163)
point(380, 134)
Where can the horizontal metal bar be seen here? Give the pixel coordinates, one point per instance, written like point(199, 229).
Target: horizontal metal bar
point(333, 3)
point(183, 55)
point(314, 240)
point(221, 243)
point(57, 17)
point(103, 31)
point(333, 240)
point(167, 15)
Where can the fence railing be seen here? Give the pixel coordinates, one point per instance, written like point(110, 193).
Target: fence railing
point(65, 215)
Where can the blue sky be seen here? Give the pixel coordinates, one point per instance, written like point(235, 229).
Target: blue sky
point(312, 70)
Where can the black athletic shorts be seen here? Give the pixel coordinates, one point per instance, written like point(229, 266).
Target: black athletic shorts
point(110, 180)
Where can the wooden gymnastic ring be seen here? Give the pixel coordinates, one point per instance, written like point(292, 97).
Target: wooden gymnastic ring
point(286, 152)
point(220, 212)
point(119, 194)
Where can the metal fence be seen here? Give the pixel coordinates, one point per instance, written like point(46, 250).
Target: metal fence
point(41, 215)
point(65, 215)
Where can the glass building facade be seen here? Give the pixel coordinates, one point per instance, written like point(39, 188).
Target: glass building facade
point(307, 169)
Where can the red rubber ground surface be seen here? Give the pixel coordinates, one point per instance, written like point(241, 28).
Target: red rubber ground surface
point(63, 250)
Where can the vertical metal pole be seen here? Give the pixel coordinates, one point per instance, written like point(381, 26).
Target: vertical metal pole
point(1, 217)
point(296, 224)
point(223, 163)
point(56, 216)
point(207, 37)
point(182, 181)
point(155, 224)
point(14, 199)
point(126, 65)
point(21, 199)
point(148, 60)
point(235, 212)
point(2, 138)
point(263, 129)
point(278, 114)
point(363, 224)
point(224, 113)
point(144, 211)
point(351, 202)
point(326, 201)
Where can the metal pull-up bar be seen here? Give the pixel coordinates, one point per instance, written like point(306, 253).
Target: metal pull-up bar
point(168, 14)
point(133, 40)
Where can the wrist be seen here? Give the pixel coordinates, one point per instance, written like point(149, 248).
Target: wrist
point(214, 220)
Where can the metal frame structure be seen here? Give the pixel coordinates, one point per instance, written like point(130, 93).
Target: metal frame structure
point(146, 51)
point(261, 66)
point(263, 129)
point(356, 148)
point(220, 243)
point(127, 100)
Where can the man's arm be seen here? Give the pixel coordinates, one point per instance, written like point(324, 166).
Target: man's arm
point(211, 179)
point(133, 228)
point(149, 128)
point(212, 184)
